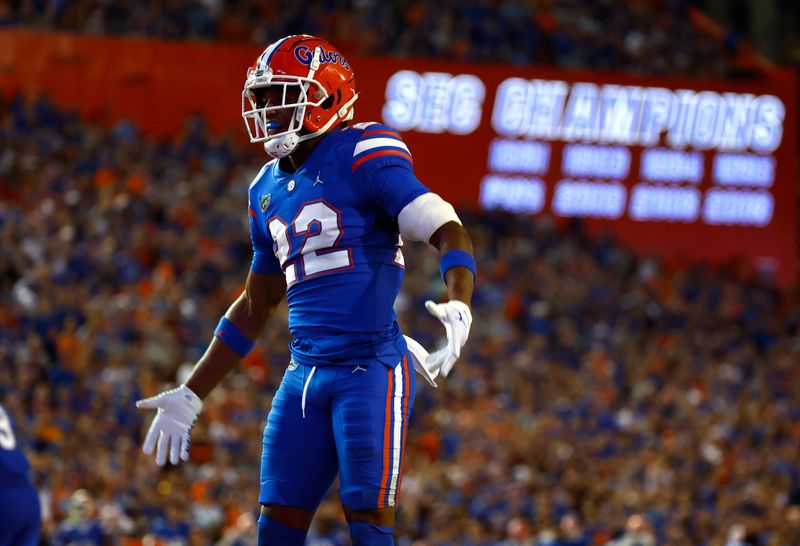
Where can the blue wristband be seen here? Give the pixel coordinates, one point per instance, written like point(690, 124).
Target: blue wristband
point(457, 258)
point(230, 335)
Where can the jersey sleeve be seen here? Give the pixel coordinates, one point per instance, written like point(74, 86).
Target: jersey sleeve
point(264, 260)
point(383, 162)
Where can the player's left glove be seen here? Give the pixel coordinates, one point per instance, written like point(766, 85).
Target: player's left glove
point(171, 427)
point(457, 319)
point(420, 358)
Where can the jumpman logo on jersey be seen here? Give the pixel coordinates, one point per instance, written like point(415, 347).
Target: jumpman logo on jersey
point(357, 368)
point(318, 180)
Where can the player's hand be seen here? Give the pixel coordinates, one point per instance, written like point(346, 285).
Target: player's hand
point(457, 318)
point(171, 427)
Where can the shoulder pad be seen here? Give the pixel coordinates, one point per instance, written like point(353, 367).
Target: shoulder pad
point(379, 144)
point(260, 174)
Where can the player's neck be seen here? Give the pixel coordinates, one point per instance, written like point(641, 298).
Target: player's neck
point(300, 155)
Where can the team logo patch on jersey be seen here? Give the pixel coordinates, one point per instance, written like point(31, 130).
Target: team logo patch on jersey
point(291, 185)
point(265, 199)
point(292, 365)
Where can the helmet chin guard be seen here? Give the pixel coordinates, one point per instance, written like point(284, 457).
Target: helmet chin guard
point(312, 90)
point(282, 146)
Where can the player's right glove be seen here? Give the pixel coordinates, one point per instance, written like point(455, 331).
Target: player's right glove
point(457, 319)
point(171, 427)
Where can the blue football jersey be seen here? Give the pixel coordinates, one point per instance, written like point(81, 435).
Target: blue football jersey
point(331, 229)
point(14, 469)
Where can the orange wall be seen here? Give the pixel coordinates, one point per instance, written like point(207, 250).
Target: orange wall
point(152, 82)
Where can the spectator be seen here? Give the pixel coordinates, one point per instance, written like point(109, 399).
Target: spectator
point(646, 37)
point(82, 525)
point(636, 533)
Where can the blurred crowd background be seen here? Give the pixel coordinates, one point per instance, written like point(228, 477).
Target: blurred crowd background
point(645, 36)
point(603, 399)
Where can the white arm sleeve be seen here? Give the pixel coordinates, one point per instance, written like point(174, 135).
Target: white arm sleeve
point(424, 215)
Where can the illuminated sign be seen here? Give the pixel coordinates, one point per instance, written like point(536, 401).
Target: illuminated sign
point(633, 115)
point(519, 156)
point(737, 207)
point(664, 204)
point(516, 194)
point(434, 102)
point(599, 125)
point(661, 165)
point(744, 170)
point(589, 199)
point(596, 161)
point(667, 166)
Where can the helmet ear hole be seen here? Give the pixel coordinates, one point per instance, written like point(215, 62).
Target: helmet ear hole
point(327, 103)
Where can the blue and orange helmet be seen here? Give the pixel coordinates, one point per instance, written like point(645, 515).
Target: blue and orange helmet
point(305, 77)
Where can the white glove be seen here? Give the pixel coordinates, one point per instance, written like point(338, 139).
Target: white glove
point(457, 318)
point(420, 356)
point(177, 412)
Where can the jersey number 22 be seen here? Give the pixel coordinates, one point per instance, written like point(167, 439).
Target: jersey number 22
point(319, 224)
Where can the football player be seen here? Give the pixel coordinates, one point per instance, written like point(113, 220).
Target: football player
point(20, 513)
point(326, 218)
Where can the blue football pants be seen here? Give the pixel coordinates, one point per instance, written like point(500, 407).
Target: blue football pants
point(347, 419)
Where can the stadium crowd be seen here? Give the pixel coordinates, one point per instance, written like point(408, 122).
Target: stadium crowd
point(603, 399)
point(653, 36)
